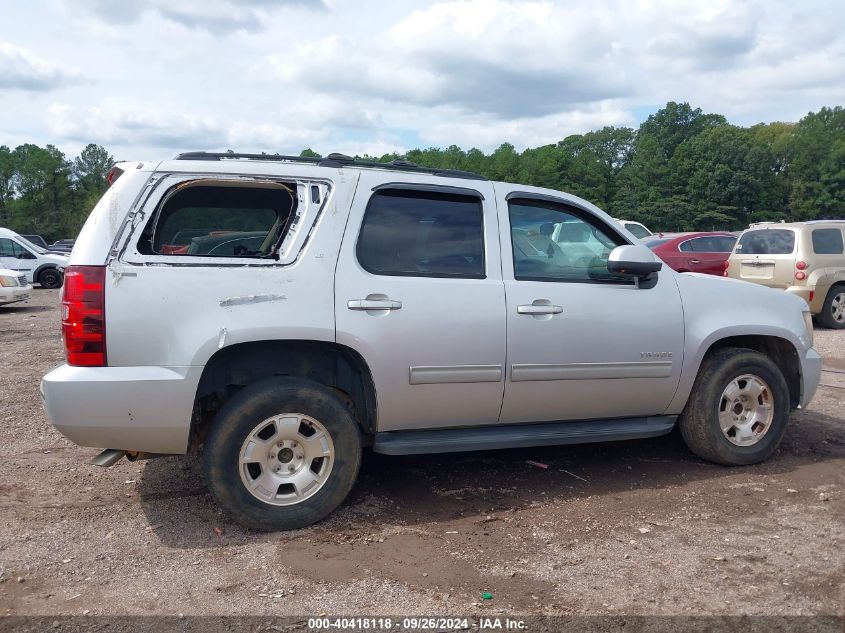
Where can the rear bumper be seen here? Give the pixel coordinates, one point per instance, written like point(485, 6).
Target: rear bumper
point(130, 408)
point(811, 373)
point(17, 293)
point(819, 294)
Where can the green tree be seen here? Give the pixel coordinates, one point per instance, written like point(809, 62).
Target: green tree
point(91, 168)
point(7, 175)
point(43, 193)
point(816, 165)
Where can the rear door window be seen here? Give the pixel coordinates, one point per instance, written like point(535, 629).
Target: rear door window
point(422, 234)
point(709, 244)
point(827, 242)
point(700, 245)
point(766, 242)
point(724, 244)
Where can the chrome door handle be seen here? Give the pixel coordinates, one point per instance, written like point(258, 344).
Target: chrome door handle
point(538, 309)
point(371, 304)
point(695, 261)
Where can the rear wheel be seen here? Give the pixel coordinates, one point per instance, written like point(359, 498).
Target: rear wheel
point(282, 454)
point(50, 278)
point(833, 310)
point(738, 409)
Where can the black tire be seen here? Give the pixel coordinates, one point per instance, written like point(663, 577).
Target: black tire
point(50, 278)
point(240, 416)
point(699, 422)
point(825, 318)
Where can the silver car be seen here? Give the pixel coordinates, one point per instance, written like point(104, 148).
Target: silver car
point(404, 309)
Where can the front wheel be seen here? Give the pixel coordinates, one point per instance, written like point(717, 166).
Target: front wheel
point(50, 278)
point(738, 409)
point(282, 454)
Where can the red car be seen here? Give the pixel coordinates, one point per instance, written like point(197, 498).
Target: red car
point(693, 252)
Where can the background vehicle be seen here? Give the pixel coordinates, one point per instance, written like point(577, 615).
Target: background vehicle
point(36, 239)
point(13, 287)
point(704, 252)
point(636, 229)
point(806, 259)
point(61, 246)
point(22, 256)
point(407, 309)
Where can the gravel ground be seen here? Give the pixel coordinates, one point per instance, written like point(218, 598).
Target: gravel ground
point(618, 528)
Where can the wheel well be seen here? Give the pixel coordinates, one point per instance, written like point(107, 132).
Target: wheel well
point(330, 364)
point(837, 284)
point(41, 269)
point(781, 351)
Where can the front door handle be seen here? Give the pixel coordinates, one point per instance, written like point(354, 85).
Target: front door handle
point(539, 309)
point(373, 304)
point(695, 261)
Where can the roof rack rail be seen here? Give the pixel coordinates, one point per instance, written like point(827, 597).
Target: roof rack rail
point(333, 160)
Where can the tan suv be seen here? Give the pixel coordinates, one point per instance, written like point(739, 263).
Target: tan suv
point(804, 258)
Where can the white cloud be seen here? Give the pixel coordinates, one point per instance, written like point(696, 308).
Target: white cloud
point(214, 16)
point(480, 56)
point(375, 77)
point(22, 70)
point(488, 132)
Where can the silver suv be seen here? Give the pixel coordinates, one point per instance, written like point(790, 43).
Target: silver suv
point(284, 313)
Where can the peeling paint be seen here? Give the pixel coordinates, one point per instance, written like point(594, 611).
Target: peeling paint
point(248, 299)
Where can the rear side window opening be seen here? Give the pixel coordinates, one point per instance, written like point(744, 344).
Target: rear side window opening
point(220, 219)
point(827, 242)
point(766, 242)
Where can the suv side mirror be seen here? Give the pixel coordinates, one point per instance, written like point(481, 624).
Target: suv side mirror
point(634, 261)
point(26, 255)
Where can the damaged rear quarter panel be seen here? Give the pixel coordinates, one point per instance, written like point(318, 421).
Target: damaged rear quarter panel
point(178, 311)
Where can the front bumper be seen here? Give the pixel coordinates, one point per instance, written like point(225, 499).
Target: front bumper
point(129, 408)
point(811, 374)
point(15, 293)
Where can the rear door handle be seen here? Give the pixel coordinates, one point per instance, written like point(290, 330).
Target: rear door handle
point(373, 304)
point(539, 309)
point(695, 261)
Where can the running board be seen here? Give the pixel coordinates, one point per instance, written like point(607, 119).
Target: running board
point(520, 435)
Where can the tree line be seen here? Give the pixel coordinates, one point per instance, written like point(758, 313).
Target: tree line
point(681, 170)
point(43, 192)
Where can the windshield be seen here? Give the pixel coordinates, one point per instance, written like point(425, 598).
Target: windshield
point(638, 230)
point(33, 247)
point(766, 242)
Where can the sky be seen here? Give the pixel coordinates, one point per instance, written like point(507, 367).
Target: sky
point(150, 78)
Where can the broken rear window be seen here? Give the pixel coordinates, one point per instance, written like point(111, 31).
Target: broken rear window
point(220, 220)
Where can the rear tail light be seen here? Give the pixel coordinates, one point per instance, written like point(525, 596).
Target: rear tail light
point(114, 174)
point(84, 315)
point(727, 265)
point(801, 265)
point(800, 276)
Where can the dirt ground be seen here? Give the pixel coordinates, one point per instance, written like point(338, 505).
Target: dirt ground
point(618, 528)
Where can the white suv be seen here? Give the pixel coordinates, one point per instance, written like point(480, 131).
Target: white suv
point(22, 256)
point(287, 312)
